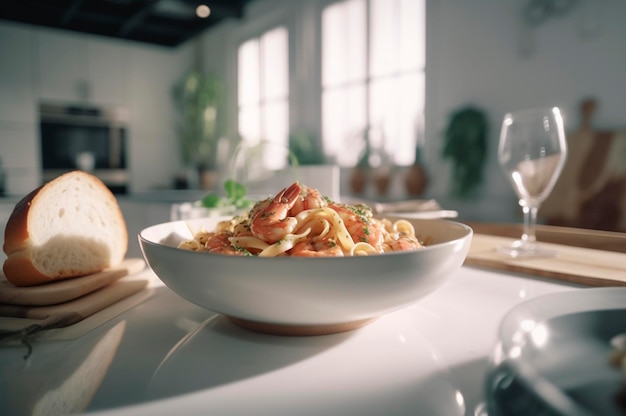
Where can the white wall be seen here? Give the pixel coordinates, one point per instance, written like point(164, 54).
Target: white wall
point(474, 56)
point(18, 149)
point(154, 147)
point(40, 64)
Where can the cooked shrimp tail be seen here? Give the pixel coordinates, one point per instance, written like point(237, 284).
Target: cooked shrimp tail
point(220, 243)
point(270, 221)
point(309, 199)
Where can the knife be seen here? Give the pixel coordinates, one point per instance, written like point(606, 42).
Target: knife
point(65, 314)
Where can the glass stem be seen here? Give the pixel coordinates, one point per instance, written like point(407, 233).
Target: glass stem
point(530, 222)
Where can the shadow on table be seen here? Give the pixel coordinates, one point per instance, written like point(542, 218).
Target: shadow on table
point(219, 352)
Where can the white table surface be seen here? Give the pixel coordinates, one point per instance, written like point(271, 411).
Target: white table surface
point(175, 358)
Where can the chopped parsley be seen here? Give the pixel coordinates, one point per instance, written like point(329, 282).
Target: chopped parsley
point(242, 250)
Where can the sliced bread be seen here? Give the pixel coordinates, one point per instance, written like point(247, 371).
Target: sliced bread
point(68, 227)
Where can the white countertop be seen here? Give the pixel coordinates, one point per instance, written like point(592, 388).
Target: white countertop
point(175, 358)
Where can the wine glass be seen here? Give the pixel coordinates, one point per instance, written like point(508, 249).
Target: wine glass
point(532, 152)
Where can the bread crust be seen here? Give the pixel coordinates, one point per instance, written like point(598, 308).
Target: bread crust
point(16, 236)
point(18, 268)
point(20, 271)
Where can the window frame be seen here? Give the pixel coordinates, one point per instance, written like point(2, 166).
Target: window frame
point(255, 29)
point(369, 80)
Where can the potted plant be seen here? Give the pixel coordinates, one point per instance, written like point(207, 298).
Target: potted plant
point(306, 149)
point(416, 179)
point(360, 172)
point(466, 146)
point(198, 97)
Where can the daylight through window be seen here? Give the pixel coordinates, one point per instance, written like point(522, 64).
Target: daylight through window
point(373, 59)
point(263, 100)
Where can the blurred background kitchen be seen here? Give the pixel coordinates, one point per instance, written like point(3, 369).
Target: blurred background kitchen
point(405, 96)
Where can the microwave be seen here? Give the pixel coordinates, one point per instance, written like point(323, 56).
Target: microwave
point(89, 138)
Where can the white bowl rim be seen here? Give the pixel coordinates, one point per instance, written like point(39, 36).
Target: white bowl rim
point(467, 233)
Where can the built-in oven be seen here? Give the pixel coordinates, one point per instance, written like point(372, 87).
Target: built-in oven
point(89, 138)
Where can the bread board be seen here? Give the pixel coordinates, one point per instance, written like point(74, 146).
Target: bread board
point(68, 289)
point(589, 267)
point(591, 190)
point(74, 318)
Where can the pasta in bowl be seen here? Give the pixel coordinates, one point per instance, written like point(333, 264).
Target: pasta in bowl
point(318, 267)
point(300, 222)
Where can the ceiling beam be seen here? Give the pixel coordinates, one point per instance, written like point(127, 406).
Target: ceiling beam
point(70, 12)
point(136, 19)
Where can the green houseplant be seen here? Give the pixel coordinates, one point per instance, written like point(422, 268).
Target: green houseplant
point(306, 148)
point(466, 145)
point(198, 98)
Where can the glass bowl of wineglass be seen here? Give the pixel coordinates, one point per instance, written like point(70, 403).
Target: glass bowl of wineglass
point(532, 151)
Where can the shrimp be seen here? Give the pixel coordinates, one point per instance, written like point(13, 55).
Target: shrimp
point(316, 248)
point(402, 236)
point(405, 242)
point(360, 224)
point(220, 243)
point(270, 221)
point(309, 199)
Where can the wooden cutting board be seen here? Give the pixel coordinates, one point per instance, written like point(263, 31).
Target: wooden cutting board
point(73, 318)
point(68, 289)
point(584, 266)
point(70, 307)
point(77, 309)
point(591, 190)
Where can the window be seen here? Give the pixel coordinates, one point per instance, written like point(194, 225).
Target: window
point(373, 59)
point(263, 97)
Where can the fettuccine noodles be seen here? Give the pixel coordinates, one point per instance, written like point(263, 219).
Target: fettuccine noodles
point(298, 221)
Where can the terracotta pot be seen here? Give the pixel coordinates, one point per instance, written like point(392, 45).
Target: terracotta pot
point(207, 178)
point(382, 182)
point(358, 180)
point(416, 180)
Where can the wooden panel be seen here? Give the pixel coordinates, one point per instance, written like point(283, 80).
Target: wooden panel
point(577, 237)
point(68, 289)
point(591, 191)
point(71, 319)
point(584, 266)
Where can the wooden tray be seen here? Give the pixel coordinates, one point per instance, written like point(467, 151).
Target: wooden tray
point(69, 308)
point(73, 318)
point(68, 289)
point(573, 264)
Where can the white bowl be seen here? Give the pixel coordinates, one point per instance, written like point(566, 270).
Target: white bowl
point(553, 355)
point(304, 296)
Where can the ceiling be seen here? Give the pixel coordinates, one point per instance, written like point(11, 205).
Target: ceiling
point(161, 22)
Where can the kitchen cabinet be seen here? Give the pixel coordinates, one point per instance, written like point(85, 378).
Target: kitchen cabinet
point(19, 150)
point(154, 148)
point(41, 64)
point(63, 69)
point(82, 69)
point(108, 71)
point(6, 208)
point(18, 109)
point(17, 93)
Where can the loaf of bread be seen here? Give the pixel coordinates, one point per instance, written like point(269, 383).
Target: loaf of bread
point(68, 227)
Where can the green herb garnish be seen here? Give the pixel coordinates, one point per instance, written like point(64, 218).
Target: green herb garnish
point(235, 197)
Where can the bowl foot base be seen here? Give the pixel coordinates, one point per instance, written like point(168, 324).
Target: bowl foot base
point(300, 330)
